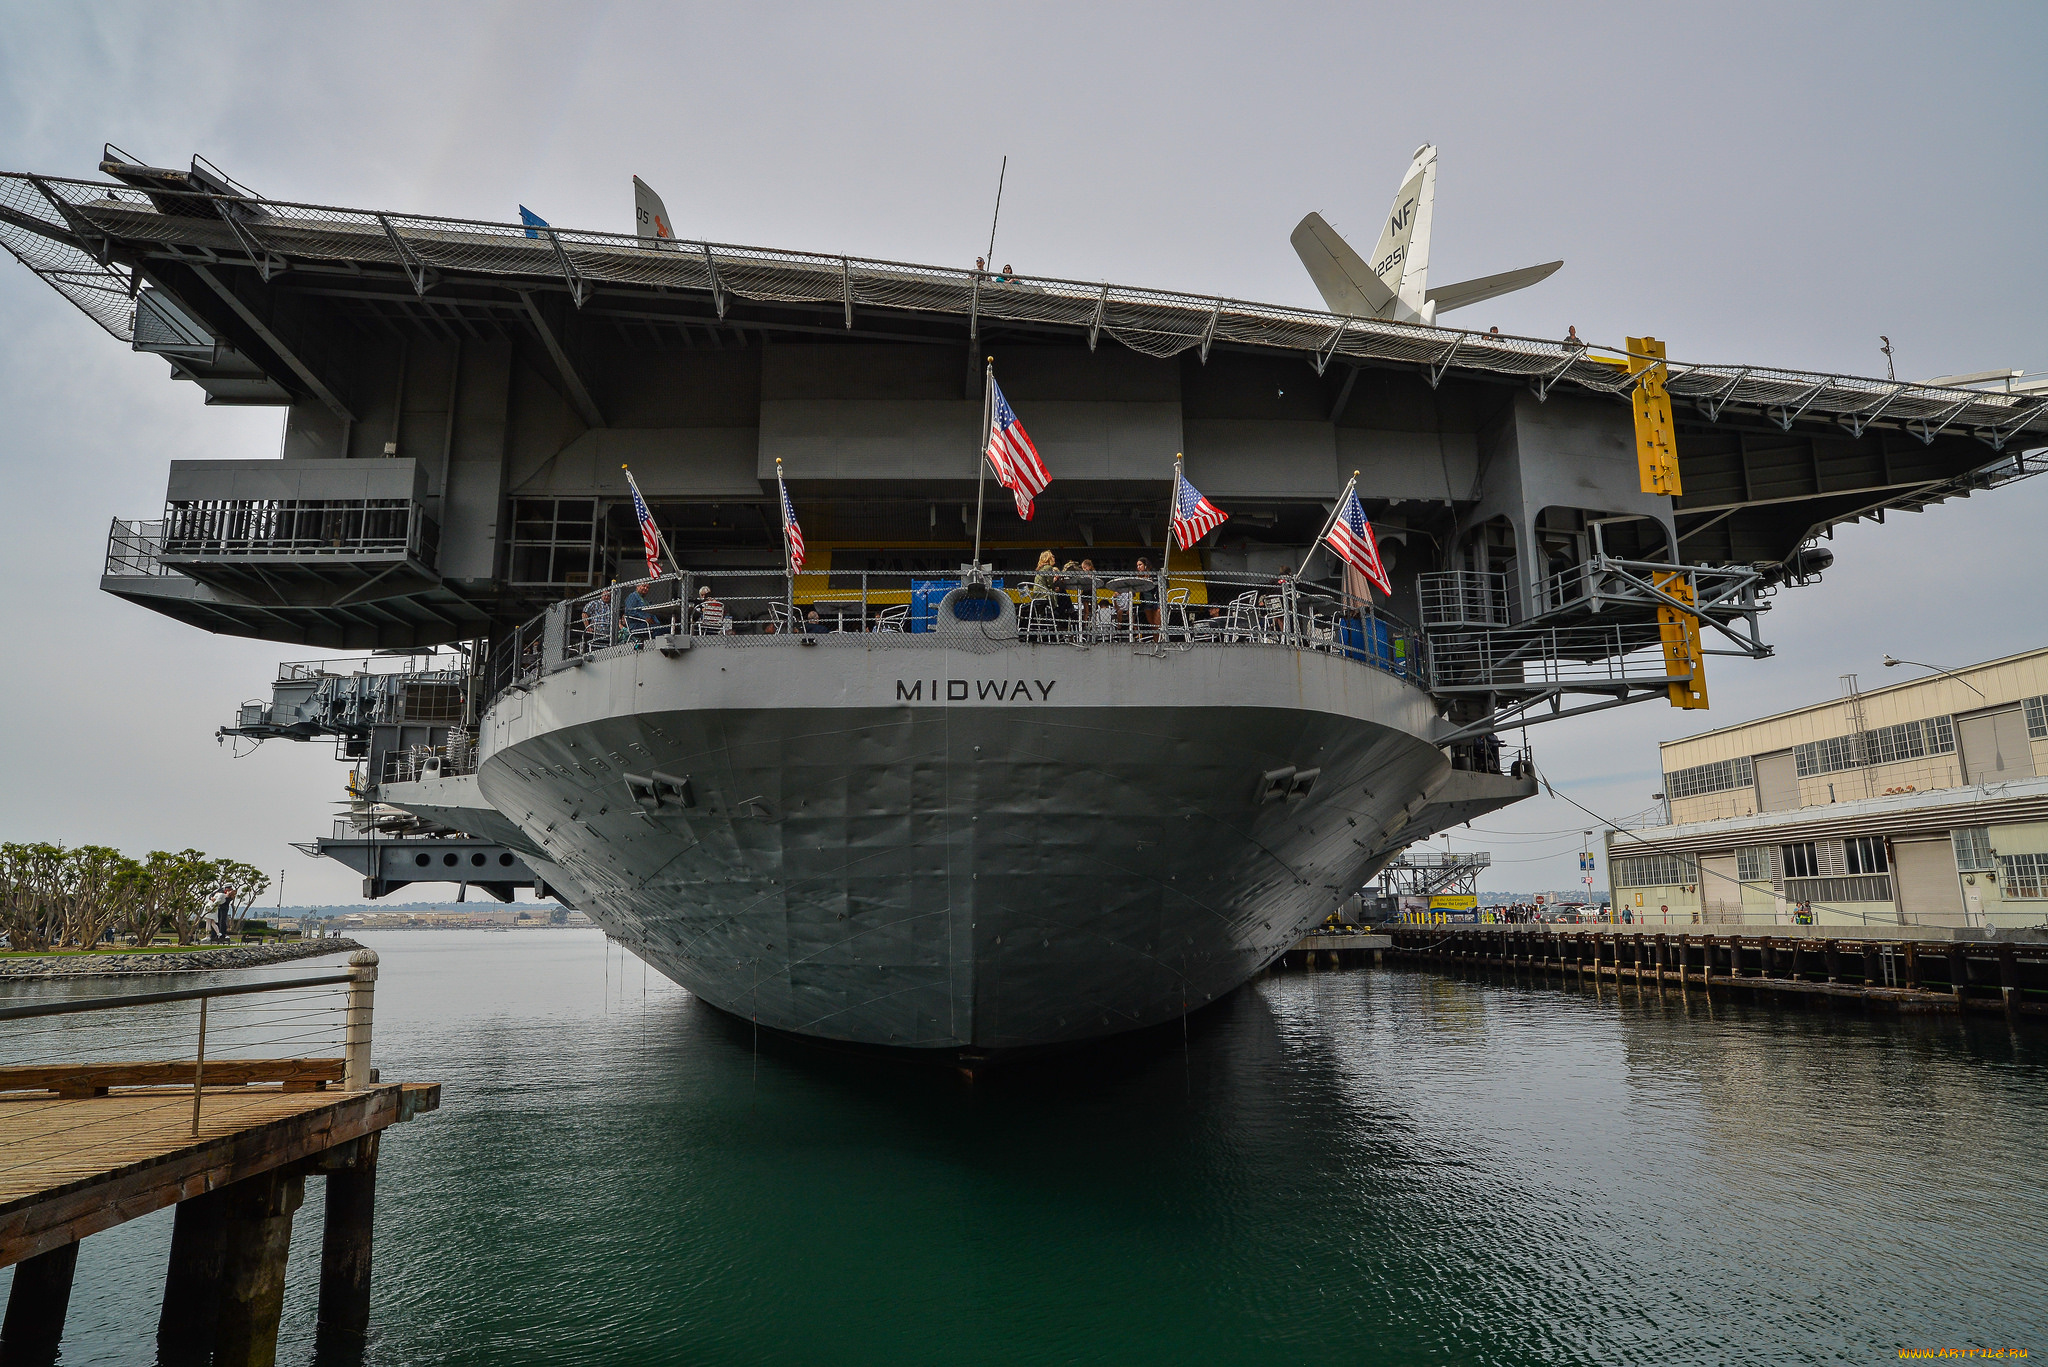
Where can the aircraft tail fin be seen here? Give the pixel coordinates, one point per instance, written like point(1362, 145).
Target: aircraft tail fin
point(1401, 258)
point(1448, 297)
point(650, 215)
point(1345, 281)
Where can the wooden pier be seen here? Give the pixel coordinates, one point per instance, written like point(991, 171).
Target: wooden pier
point(230, 1143)
point(1887, 972)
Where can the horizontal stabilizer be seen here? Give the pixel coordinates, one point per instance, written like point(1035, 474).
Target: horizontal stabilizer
point(1448, 297)
point(1347, 284)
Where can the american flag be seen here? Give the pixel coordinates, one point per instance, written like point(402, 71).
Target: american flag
point(1012, 455)
point(796, 533)
point(1350, 535)
point(649, 537)
point(1194, 517)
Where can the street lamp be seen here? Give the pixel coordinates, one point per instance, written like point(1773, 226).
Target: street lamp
point(1889, 661)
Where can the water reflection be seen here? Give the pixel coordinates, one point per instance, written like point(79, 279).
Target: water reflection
point(1351, 1167)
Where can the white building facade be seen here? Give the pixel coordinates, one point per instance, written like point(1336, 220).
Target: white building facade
point(1920, 803)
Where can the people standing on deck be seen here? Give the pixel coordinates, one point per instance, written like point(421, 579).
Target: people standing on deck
point(1146, 605)
point(597, 619)
point(639, 621)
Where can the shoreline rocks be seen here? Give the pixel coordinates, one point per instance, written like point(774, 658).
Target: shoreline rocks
point(180, 961)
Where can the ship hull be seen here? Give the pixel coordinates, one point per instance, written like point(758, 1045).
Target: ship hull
point(1067, 844)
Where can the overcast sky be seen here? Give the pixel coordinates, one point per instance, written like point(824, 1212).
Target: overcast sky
point(1767, 184)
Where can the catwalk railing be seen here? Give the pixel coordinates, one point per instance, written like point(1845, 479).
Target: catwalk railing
point(64, 229)
point(135, 550)
point(299, 529)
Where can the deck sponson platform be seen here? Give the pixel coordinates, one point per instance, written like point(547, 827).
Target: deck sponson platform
point(69, 1168)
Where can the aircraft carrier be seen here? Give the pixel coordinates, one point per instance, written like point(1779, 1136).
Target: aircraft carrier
point(947, 813)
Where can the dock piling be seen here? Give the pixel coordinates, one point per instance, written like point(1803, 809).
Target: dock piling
point(362, 967)
point(345, 1242)
point(37, 1305)
point(257, 1220)
point(199, 1250)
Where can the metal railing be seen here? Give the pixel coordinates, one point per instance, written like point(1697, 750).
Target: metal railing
point(299, 529)
point(1463, 598)
point(418, 762)
point(135, 550)
point(277, 1027)
point(271, 234)
point(1170, 611)
point(1544, 659)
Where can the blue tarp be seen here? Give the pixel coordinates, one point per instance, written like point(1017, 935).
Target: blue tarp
point(924, 600)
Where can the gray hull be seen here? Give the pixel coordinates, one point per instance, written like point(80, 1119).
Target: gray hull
point(1067, 844)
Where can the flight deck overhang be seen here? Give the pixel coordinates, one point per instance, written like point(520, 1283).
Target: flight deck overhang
point(99, 242)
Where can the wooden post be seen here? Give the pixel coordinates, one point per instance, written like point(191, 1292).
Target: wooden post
point(1831, 956)
point(345, 1243)
point(184, 1327)
point(1871, 972)
point(2009, 981)
point(362, 966)
point(1958, 971)
point(35, 1307)
point(258, 1229)
point(1707, 961)
point(1912, 965)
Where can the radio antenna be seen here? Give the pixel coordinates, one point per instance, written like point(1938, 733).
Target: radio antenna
point(1000, 177)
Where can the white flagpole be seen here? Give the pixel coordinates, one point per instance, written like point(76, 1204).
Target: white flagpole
point(788, 565)
point(1329, 522)
point(667, 550)
point(1172, 507)
point(988, 430)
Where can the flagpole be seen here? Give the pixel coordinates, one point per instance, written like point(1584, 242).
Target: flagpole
point(1172, 507)
point(988, 419)
point(660, 540)
point(1328, 522)
point(788, 567)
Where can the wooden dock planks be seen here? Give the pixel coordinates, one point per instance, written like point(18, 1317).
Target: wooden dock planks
point(72, 1167)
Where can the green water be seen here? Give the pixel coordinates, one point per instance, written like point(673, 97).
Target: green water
point(1350, 1167)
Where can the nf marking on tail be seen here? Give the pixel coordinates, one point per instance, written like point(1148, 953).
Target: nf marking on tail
point(1395, 285)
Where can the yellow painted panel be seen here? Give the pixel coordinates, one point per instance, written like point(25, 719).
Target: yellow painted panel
point(1656, 448)
point(1680, 633)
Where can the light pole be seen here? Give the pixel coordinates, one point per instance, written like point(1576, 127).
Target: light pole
point(1890, 660)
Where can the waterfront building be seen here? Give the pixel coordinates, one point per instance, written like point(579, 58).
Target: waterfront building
point(1920, 803)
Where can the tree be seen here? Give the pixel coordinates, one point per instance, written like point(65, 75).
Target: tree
point(94, 879)
point(177, 890)
point(31, 894)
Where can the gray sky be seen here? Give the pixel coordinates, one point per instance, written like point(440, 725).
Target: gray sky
point(1766, 184)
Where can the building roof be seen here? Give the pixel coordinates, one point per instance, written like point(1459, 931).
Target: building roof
point(1869, 695)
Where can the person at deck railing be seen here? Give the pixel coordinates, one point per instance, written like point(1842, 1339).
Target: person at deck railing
point(639, 621)
point(597, 618)
point(814, 625)
point(710, 614)
point(1147, 607)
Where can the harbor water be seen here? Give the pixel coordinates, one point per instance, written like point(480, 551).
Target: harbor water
point(1360, 1166)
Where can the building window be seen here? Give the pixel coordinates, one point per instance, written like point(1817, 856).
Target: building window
point(2037, 716)
point(1801, 861)
point(1653, 871)
point(1885, 745)
point(1865, 854)
point(1718, 777)
point(1753, 863)
point(554, 541)
point(1973, 848)
point(1835, 891)
point(2023, 875)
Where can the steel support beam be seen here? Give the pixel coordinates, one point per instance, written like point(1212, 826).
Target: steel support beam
point(308, 376)
point(578, 393)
